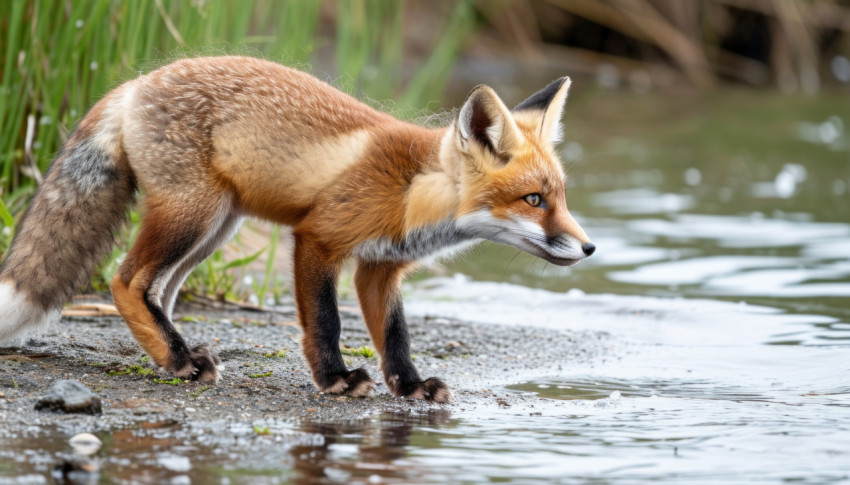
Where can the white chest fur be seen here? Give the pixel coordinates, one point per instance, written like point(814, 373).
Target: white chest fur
point(424, 243)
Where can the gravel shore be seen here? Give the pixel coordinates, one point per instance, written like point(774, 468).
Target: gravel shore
point(265, 384)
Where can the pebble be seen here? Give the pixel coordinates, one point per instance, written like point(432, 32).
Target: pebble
point(69, 396)
point(86, 443)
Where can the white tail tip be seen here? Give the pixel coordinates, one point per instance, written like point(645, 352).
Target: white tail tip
point(18, 315)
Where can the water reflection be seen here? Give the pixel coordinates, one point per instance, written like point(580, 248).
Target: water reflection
point(159, 452)
point(359, 450)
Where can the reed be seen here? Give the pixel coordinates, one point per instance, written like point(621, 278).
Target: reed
point(59, 56)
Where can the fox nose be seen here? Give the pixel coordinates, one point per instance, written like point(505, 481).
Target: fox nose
point(588, 248)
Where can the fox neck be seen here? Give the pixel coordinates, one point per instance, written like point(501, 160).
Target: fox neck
point(434, 194)
point(431, 203)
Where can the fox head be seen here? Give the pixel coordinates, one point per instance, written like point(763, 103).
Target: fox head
point(512, 181)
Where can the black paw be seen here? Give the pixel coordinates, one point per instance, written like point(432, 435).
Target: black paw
point(202, 366)
point(431, 389)
point(349, 383)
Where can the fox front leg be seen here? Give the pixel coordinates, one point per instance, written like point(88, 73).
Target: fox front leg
point(315, 295)
point(378, 288)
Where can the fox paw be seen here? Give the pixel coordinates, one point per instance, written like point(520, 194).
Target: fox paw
point(431, 389)
point(350, 383)
point(202, 366)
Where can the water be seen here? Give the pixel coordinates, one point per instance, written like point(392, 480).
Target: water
point(722, 275)
point(740, 205)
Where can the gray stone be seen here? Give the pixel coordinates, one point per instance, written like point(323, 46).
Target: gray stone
point(69, 397)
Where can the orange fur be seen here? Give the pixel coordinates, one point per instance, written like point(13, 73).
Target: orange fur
point(129, 299)
point(210, 140)
point(376, 284)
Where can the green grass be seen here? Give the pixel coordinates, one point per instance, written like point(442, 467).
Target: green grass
point(358, 351)
point(275, 355)
point(260, 375)
point(57, 57)
point(200, 391)
point(133, 369)
point(173, 382)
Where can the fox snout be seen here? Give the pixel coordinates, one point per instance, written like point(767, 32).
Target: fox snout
point(564, 250)
point(566, 241)
point(561, 241)
point(567, 251)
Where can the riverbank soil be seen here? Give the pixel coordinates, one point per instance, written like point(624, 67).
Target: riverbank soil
point(265, 396)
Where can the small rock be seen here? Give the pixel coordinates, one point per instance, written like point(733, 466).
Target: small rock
point(86, 443)
point(69, 397)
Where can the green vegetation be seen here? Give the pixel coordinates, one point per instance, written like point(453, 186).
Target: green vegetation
point(201, 390)
point(173, 382)
point(275, 355)
point(262, 430)
point(58, 57)
point(133, 369)
point(193, 319)
point(212, 277)
point(358, 351)
point(260, 375)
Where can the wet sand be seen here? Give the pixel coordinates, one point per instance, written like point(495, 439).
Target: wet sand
point(265, 376)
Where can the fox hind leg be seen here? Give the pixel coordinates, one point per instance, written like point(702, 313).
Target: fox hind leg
point(220, 232)
point(175, 236)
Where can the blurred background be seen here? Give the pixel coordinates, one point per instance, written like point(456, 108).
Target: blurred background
point(708, 156)
point(711, 132)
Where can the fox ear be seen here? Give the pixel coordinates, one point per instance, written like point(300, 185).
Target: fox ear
point(484, 119)
point(545, 108)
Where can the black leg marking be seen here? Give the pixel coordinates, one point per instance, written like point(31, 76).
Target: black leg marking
point(328, 329)
point(198, 364)
point(176, 345)
point(332, 375)
point(400, 374)
point(397, 365)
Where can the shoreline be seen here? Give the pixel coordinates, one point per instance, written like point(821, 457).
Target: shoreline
point(265, 375)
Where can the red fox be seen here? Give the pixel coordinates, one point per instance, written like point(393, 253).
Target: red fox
point(209, 141)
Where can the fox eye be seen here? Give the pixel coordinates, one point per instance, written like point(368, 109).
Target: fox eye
point(533, 200)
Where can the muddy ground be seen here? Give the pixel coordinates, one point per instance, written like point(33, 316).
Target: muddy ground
point(265, 375)
point(264, 416)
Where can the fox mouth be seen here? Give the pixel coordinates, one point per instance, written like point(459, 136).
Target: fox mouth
point(559, 261)
point(543, 253)
point(562, 261)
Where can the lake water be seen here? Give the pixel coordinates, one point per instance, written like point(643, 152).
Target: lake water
point(722, 276)
point(723, 266)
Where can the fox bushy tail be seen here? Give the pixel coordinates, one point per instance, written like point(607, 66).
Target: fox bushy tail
point(69, 226)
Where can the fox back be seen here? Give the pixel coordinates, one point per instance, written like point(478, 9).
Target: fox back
point(209, 141)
